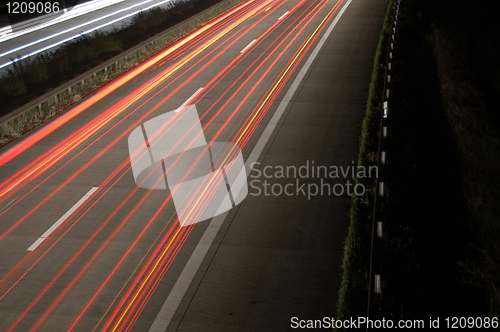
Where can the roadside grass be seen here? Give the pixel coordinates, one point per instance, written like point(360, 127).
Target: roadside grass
point(440, 255)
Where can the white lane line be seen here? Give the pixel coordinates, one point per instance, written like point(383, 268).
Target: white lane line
point(246, 47)
point(285, 14)
point(180, 288)
point(6, 206)
point(62, 219)
point(189, 99)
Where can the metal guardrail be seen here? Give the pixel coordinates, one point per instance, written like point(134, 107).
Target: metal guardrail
point(375, 280)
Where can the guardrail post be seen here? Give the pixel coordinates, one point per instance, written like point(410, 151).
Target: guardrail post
point(380, 231)
point(378, 284)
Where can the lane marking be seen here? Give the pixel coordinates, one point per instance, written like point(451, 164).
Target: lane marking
point(6, 206)
point(285, 14)
point(189, 99)
point(182, 284)
point(62, 219)
point(246, 47)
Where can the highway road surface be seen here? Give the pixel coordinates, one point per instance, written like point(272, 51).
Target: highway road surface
point(86, 245)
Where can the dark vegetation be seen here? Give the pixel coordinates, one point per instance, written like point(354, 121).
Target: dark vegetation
point(35, 76)
point(466, 46)
point(440, 255)
point(428, 238)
